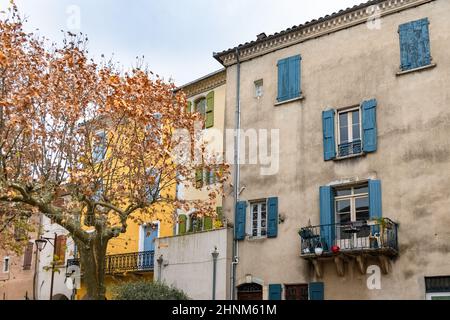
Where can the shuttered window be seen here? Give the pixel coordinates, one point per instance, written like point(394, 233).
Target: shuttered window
point(415, 44)
point(28, 256)
point(289, 78)
point(61, 242)
point(100, 144)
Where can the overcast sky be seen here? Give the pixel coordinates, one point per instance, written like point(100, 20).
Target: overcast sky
point(177, 37)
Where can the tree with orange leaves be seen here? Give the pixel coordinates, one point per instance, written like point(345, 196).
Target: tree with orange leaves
point(87, 145)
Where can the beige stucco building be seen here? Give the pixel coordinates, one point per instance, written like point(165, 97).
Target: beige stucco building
point(361, 102)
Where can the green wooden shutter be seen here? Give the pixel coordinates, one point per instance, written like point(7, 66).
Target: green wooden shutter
point(316, 291)
point(327, 228)
point(182, 220)
point(209, 121)
point(208, 223)
point(329, 141)
point(199, 178)
point(272, 226)
point(369, 125)
point(189, 107)
point(219, 213)
point(275, 291)
point(239, 220)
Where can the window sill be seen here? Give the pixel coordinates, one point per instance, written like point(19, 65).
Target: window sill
point(253, 239)
point(301, 97)
point(430, 66)
point(362, 154)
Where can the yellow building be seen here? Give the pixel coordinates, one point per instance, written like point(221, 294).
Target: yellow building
point(206, 96)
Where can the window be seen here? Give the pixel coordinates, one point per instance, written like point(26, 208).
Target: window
point(6, 265)
point(414, 44)
point(205, 106)
point(99, 150)
point(154, 135)
point(152, 188)
point(258, 88)
point(349, 133)
point(437, 288)
point(352, 205)
point(206, 176)
point(61, 246)
point(258, 220)
point(289, 78)
point(28, 256)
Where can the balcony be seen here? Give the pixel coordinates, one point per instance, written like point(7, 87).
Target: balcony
point(350, 148)
point(137, 262)
point(357, 241)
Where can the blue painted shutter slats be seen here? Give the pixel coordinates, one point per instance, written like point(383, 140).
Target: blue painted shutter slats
point(239, 220)
point(316, 291)
point(329, 142)
point(272, 230)
point(327, 229)
point(275, 291)
point(375, 205)
point(294, 77)
point(415, 44)
point(369, 124)
point(283, 84)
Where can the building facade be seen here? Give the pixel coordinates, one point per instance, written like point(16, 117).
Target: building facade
point(358, 208)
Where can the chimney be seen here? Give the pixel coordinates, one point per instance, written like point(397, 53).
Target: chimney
point(261, 36)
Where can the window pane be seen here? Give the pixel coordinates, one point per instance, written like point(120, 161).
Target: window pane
point(343, 206)
point(361, 189)
point(362, 204)
point(355, 117)
point(344, 135)
point(343, 192)
point(343, 120)
point(356, 132)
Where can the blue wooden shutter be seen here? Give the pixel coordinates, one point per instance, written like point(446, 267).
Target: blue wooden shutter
point(239, 220)
point(272, 230)
point(327, 229)
point(329, 142)
point(316, 291)
point(375, 206)
point(369, 125)
point(294, 77)
point(414, 44)
point(283, 80)
point(275, 291)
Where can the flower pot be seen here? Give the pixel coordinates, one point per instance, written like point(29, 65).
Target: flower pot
point(318, 251)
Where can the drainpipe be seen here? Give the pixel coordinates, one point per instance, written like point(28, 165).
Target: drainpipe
point(36, 259)
point(237, 143)
point(215, 255)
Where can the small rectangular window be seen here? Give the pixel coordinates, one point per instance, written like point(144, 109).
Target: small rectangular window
point(349, 132)
point(258, 88)
point(6, 265)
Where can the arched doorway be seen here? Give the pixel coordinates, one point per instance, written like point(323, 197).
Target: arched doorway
point(250, 291)
point(59, 297)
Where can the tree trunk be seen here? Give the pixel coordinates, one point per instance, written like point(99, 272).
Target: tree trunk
point(93, 264)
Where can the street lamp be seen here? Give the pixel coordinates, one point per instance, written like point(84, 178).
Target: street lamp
point(40, 244)
point(215, 255)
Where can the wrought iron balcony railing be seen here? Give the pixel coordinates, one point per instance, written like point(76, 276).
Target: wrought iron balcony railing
point(350, 148)
point(370, 236)
point(127, 262)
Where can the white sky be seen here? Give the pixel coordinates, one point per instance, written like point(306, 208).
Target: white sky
point(176, 37)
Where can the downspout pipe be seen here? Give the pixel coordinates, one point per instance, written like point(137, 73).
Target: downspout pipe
point(237, 144)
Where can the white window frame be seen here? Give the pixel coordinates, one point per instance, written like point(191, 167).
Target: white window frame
point(349, 123)
point(431, 295)
point(259, 203)
point(352, 197)
point(6, 264)
point(97, 133)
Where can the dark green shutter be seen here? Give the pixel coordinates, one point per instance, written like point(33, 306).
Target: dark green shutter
point(369, 125)
point(272, 227)
point(327, 227)
point(189, 107)
point(182, 220)
point(329, 141)
point(208, 223)
point(219, 213)
point(209, 120)
point(415, 44)
point(199, 178)
point(275, 291)
point(316, 291)
point(239, 220)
